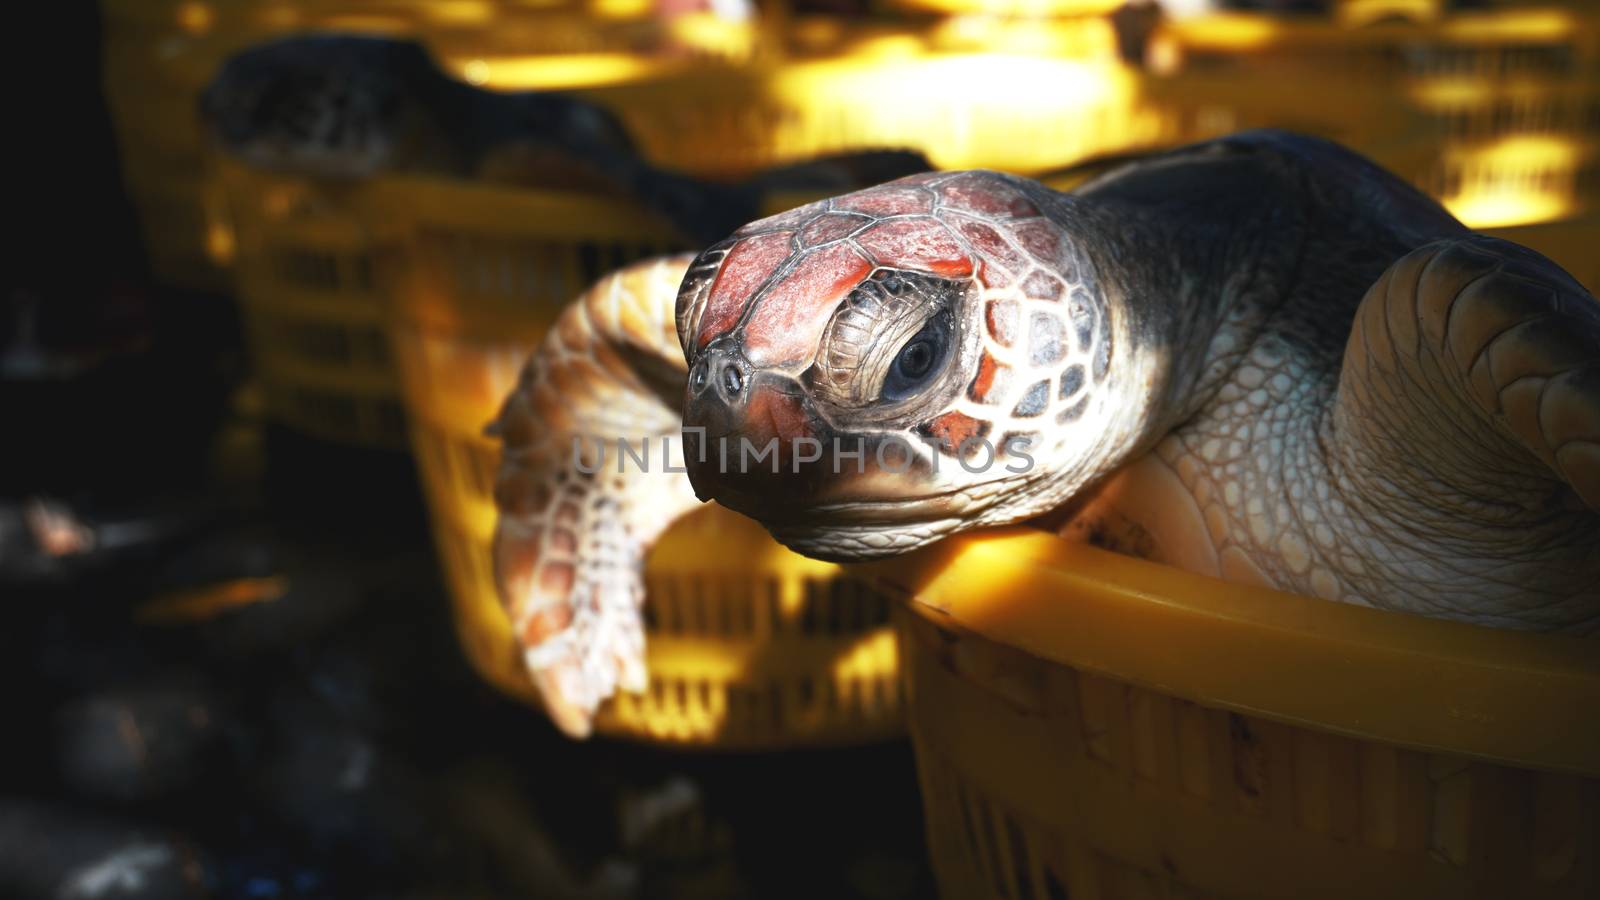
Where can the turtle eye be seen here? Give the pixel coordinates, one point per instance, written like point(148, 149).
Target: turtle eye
point(918, 360)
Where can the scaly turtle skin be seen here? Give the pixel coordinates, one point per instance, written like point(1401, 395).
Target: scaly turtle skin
point(1260, 358)
point(571, 538)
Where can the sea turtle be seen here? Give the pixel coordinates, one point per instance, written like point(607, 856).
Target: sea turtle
point(354, 106)
point(1261, 358)
point(343, 107)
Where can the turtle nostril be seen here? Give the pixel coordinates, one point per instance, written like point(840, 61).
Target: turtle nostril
point(732, 381)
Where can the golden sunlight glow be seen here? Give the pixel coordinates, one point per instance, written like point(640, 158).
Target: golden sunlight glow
point(1497, 210)
point(979, 119)
point(713, 35)
point(460, 12)
point(1235, 32)
point(1022, 9)
point(220, 246)
point(1356, 13)
point(195, 19)
point(619, 9)
point(554, 72)
point(874, 656)
point(1512, 181)
point(1512, 26)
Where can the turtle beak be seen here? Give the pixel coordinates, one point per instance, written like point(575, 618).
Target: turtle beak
point(746, 433)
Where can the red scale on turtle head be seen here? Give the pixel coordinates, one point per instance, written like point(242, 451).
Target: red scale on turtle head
point(783, 317)
point(918, 243)
point(1001, 262)
point(949, 225)
point(988, 194)
point(893, 199)
point(789, 316)
point(750, 262)
point(831, 227)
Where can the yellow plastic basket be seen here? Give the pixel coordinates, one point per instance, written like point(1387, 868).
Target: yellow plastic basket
point(750, 645)
point(184, 224)
point(965, 93)
point(1095, 726)
point(567, 48)
point(1517, 180)
point(311, 303)
point(1023, 9)
point(151, 88)
point(1498, 105)
point(1543, 45)
point(159, 56)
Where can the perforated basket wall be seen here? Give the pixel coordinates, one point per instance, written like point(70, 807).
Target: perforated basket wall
point(749, 645)
point(1092, 726)
point(313, 315)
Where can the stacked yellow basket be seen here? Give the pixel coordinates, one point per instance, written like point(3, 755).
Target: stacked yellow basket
point(157, 59)
point(1495, 111)
point(307, 282)
point(159, 56)
point(1094, 726)
point(750, 645)
point(306, 249)
point(1021, 96)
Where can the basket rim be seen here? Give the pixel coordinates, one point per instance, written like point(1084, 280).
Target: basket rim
point(1521, 698)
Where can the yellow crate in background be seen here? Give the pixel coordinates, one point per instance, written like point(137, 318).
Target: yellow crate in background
point(957, 109)
point(1096, 726)
point(1517, 180)
point(1022, 9)
point(1367, 12)
point(310, 300)
point(1031, 97)
point(565, 49)
point(184, 222)
point(749, 645)
point(152, 89)
point(1547, 45)
point(1499, 107)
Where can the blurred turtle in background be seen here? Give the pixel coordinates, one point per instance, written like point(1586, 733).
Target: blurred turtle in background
point(343, 106)
point(347, 107)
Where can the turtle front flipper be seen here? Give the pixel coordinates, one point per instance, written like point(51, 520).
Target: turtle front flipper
point(586, 485)
point(1469, 406)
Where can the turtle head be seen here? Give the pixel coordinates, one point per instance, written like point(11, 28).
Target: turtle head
point(331, 105)
point(869, 373)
